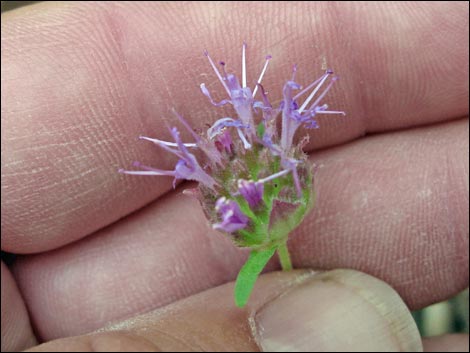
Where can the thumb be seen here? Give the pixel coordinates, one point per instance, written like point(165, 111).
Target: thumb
point(340, 310)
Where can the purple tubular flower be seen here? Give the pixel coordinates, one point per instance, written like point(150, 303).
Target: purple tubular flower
point(289, 123)
point(233, 218)
point(252, 191)
point(209, 149)
point(269, 119)
point(293, 116)
point(241, 98)
point(187, 167)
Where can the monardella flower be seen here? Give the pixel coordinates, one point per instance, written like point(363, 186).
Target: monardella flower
point(254, 181)
point(233, 218)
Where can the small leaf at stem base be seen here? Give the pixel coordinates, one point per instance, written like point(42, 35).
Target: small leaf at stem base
point(249, 273)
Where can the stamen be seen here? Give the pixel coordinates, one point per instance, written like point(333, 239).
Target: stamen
point(166, 148)
point(142, 172)
point(333, 80)
point(147, 170)
point(309, 87)
point(169, 144)
point(224, 72)
point(206, 53)
point(274, 176)
point(246, 144)
point(151, 169)
point(330, 112)
point(323, 110)
point(294, 72)
point(244, 65)
point(310, 97)
point(269, 57)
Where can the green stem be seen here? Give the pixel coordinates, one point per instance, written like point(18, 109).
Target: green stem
point(284, 257)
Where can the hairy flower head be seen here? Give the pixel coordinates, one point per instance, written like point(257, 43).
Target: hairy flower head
point(254, 182)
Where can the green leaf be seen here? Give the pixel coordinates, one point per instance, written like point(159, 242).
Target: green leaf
point(249, 273)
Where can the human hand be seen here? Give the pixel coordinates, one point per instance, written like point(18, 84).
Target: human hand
point(81, 81)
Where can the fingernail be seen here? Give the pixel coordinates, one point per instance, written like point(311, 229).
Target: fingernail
point(340, 310)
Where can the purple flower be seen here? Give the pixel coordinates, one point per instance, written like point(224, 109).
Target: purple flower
point(289, 123)
point(187, 167)
point(293, 116)
point(233, 218)
point(252, 191)
point(208, 148)
point(255, 184)
point(241, 155)
point(241, 96)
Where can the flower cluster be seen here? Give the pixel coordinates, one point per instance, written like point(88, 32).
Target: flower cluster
point(254, 181)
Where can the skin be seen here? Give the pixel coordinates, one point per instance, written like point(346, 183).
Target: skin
point(82, 81)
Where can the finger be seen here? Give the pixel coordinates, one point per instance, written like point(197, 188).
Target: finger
point(446, 343)
point(103, 74)
point(288, 312)
point(16, 330)
point(395, 206)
